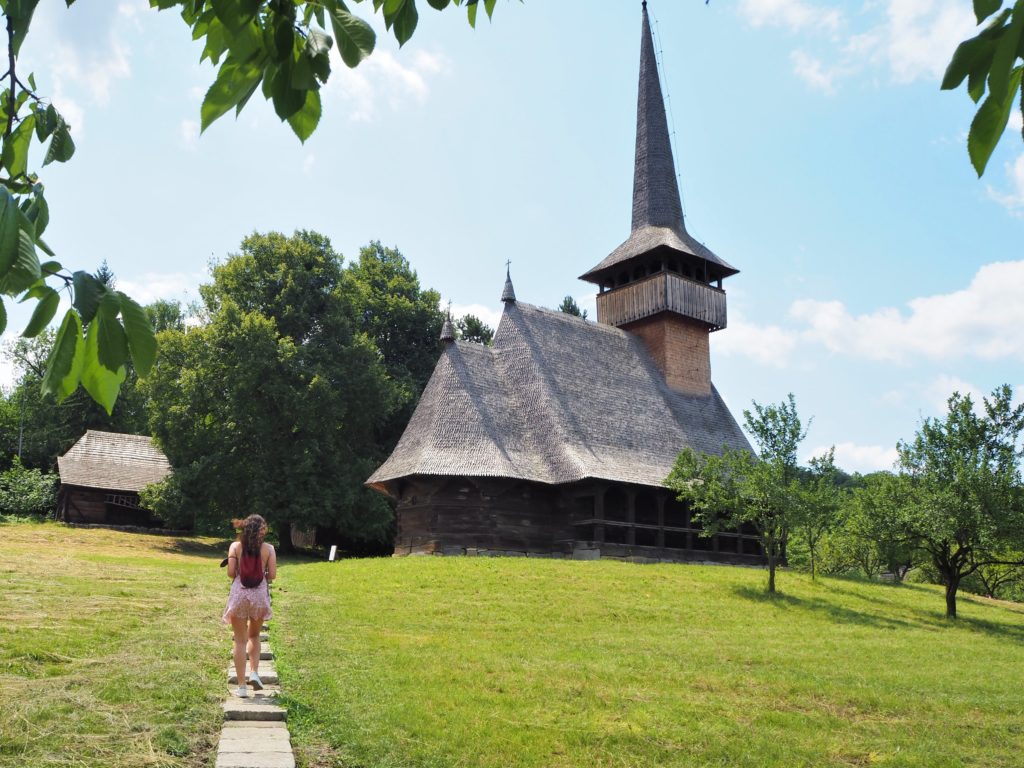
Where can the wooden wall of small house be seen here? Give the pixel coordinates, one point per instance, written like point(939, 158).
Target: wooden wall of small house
point(495, 515)
point(82, 506)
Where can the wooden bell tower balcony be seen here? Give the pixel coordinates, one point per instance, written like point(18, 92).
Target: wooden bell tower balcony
point(663, 292)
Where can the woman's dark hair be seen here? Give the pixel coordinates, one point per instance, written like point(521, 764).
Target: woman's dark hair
point(251, 532)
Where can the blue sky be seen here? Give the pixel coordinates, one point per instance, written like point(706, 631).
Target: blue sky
point(815, 152)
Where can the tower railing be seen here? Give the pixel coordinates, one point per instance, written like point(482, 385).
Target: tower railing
point(663, 292)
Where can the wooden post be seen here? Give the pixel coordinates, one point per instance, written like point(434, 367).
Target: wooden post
point(631, 516)
point(661, 521)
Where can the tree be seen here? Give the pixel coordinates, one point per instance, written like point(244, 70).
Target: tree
point(42, 429)
point(472, 328)
point(570, 307)
point(818, 502)
point(166, 315)
point(26, 491)
point(273, 43)
point(728, 491)
point(871, 538)
point(990, 60)
point(778, 432)
point(274, 405)
point(964, 502)
point(403, 320)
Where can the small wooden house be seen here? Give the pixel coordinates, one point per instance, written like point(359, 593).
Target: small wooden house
point(556, 439)
point(102, 474)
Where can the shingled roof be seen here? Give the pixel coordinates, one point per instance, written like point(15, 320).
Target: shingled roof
point(657, 211)
point(556, 399)
point(113, 461)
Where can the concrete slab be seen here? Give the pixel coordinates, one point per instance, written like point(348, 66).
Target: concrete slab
point(266, 654)
point(259, 743)
point(254, 760)
point(268, 673)
point(256, 708)
point(268, 725)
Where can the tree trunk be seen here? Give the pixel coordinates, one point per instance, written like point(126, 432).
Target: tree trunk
point(284, 538)
point(952, 583)
point(812, 562)
point(771, 570)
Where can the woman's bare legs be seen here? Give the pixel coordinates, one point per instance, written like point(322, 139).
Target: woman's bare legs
point(255, 625)
point(238, 651)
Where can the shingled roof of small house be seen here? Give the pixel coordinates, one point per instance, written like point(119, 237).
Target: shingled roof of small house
point(113, 461)
point(556, 399)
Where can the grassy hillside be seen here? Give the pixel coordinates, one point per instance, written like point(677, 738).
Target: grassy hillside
point(516, 662)
point(111, 655)
point(111, 651)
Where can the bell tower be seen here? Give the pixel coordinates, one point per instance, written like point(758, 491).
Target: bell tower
point(661, 284)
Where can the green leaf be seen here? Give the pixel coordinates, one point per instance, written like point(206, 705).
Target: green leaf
point(3, 317)
point(985, 8)
point(405, 22)
point(970, 57)
point(101, 383)
point(287, 100)
point(46, 123)
point(25, 270)
point(50, 268)
point(438, 5)
point(37, 211)
point(111, 338)
point(471, 14)
point(64, 365)
point(15, 154)
point(43, 314)
point(1005, 54)
point(234, 82)
point(976, 84)
point(61, 145)
point(988, 126)
point(141, 339)
point(355, 37)
point(489, 7)
point(304, 121)
point(8, 231)
point(19, 14)
point(88, 291)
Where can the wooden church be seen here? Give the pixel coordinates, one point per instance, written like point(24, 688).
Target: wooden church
point(555, 440)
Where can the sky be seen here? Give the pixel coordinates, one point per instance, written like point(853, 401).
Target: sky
point(814, 148)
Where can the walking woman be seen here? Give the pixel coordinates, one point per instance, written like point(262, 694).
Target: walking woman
point(252, 563)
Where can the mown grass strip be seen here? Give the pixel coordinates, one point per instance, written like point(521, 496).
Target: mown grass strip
point(516, 663)
point(111, 652)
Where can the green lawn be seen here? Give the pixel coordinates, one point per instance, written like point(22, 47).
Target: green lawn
point(111, 650)
point(111, 654)
point(522, 662)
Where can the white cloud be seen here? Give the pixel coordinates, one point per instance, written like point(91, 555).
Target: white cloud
point(308, 163)
point(8, 374)
point(795, 15)
point(909, 39)
point(150, 286)
point(767, 344)
point(939, 390)
point(383, 77)
point(489, 315)
point(189, 133)
point(852, 457)
point(1013, 199)
point(812, 72)
point(981, 321)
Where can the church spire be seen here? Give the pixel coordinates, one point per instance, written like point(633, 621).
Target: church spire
point(655, 190)
point(508, 294)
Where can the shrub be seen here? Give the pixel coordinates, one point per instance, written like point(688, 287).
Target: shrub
point(25, 492)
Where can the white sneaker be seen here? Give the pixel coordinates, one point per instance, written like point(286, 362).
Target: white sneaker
point(242, 692)
point(255, 682)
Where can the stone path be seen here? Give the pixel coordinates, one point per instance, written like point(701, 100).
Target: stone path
point(255, 734)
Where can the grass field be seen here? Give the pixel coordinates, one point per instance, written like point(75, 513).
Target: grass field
point(516, 662)
point(111, 655)
point(110, 649)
